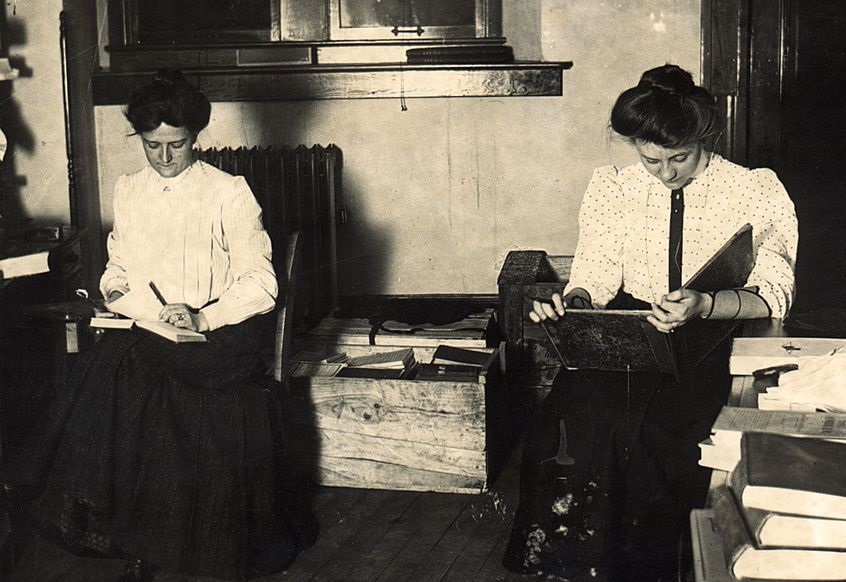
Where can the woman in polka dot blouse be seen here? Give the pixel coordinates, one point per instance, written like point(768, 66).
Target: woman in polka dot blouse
point(614, 504)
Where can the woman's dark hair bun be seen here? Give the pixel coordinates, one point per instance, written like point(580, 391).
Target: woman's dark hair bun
point(670, 78)
point(667, 108)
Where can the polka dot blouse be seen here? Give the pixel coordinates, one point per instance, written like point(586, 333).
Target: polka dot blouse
point(624, 231)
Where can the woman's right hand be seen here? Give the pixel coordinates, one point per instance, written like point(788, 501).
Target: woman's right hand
point(542, 310)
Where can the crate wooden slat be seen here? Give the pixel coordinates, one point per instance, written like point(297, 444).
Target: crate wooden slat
point(403, 434)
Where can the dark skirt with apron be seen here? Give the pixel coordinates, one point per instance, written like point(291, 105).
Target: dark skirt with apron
point(610, 473)
point(172, 453)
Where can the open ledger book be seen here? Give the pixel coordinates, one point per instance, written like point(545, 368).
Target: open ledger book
point(622, 340)
point(140, 308)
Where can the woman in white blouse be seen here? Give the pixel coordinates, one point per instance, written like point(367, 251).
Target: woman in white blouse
point(620, 509)
point(161, 452)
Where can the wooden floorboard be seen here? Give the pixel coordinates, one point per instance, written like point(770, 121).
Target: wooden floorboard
point(342, 565)
point(365, 536)
point(420, 530)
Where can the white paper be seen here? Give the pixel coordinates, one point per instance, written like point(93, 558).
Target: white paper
point(139, 304)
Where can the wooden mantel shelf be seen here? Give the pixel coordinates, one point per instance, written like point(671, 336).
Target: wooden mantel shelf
point(519, 79)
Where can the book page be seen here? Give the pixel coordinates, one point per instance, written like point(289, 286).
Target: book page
point(112, 322)
point(171, 332)
point(138, 304)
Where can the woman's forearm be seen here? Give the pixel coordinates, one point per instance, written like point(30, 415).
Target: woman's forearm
point(742, 303)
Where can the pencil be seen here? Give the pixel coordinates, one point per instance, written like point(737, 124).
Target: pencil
point(157, 293)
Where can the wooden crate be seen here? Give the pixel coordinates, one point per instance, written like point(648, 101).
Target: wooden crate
point(403, 434)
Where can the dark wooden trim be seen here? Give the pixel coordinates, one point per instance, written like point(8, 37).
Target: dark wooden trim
point(352, 82)
point(725, 50)
point(82, 59)
point(767, 37)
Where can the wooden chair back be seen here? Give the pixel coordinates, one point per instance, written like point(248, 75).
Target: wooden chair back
point(286, 303)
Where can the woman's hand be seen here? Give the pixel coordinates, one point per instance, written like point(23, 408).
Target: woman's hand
point(576, 298)
point(677, 307)
point(542, 311)
point(180, 315)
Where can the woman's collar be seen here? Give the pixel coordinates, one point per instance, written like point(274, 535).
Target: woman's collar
point(173, 180)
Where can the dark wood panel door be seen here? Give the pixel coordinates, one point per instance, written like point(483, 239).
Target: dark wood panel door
point(787, 82)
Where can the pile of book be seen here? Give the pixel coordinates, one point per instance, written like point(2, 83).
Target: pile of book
point(454, 364)
point(393, 364)
point(782, 513)
point(448, 364)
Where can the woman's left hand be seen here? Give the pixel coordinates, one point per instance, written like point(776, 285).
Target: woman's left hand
point(676, 308)
point(180, 315)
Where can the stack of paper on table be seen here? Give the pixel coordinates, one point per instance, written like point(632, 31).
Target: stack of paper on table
point(750, 354)
point(819, 383)
point(722, 450)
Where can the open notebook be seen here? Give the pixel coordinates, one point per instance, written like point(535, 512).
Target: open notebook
point(140, 308)
point(621, 340)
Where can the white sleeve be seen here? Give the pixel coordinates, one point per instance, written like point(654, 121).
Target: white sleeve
point(776, 240)
point(598, 261)
point(114, 277)
point(254, 288)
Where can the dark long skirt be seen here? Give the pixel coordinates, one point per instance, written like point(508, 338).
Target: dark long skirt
point(167, 452)
point(610, 473)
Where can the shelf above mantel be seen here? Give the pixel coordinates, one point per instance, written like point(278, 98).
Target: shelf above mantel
point(294, 83)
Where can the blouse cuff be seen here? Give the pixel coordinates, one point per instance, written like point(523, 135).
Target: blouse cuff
point(215, 315)
point(107, 286)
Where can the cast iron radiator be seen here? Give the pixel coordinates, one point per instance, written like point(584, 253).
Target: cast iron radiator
point(297, 188)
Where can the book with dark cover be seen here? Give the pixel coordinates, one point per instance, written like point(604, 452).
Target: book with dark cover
point(623, 340)
point(448, 373)
point(378, 373)
point(745, 560)
point(787, 474)
point(402, 359)
point(454, 355)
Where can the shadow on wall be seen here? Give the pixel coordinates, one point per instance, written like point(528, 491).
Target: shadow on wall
point(364, 250)
point(18, 134)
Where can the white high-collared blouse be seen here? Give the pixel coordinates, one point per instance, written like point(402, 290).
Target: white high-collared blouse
point(198, 236)
point(624, 231)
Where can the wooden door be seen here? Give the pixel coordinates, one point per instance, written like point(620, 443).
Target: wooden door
point(779, 68)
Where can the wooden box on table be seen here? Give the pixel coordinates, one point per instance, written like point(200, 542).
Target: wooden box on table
point(405, 434)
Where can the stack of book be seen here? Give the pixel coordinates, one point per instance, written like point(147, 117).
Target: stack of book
point(454, 364)
point(782, 513)
point(395, 364)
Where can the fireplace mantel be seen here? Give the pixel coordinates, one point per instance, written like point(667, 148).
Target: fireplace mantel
point(359, 81)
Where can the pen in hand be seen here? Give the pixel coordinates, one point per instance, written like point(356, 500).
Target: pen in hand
point(157, 293)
